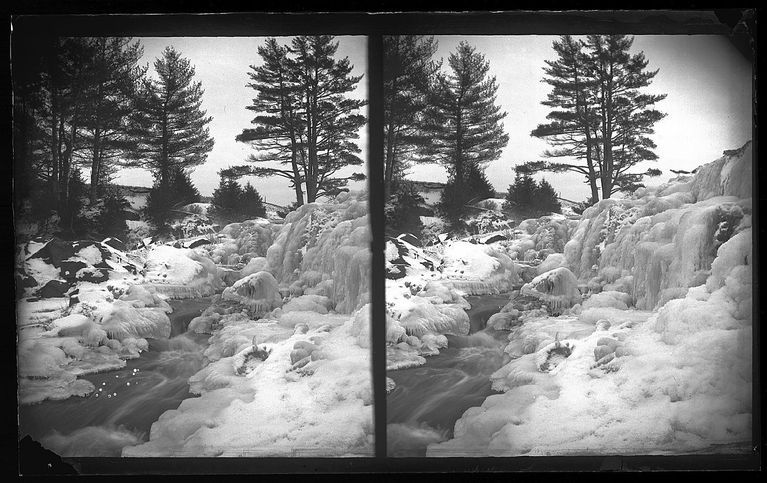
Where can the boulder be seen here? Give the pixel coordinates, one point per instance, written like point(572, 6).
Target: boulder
point(198, 243)
point(411, 239)
point(69, 269)
point(54, 289)
point(494, 238)
point(54, 252)
point(115, 243)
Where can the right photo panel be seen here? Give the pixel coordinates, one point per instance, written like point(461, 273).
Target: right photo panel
point(568, 245)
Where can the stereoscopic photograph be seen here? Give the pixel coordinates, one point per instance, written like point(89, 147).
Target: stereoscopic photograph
point(192, 258)
point(569, 245)
point(257, 243)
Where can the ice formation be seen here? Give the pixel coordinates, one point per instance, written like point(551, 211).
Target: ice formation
point(657, 357)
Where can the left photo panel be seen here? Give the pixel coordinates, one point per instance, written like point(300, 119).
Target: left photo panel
point(192, 251)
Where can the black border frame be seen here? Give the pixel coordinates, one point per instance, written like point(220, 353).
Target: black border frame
point(71, 19)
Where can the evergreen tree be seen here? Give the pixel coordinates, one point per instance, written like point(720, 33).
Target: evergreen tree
point(330, 118)
point(73, 97)
point(172, 118)
point(601, 122)
point(545, 199)
point(183, 190)
point(463, 117)
point(227, 198)
point(278, 134)
point(455, 198)
point(526, 197)
point(626, 118)
point(521, 192)
point(572, 122)
point(408, 75)
point(402, 208)
point(113, 80)
point(171, 194)
point(305, 97)
point(252, 203)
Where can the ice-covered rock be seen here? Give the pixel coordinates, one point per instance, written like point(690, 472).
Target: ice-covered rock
point(257, 292)
point(181, 272)
point(557, 288)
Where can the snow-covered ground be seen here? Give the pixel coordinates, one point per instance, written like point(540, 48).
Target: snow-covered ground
point(287, 367)
point(629, 329)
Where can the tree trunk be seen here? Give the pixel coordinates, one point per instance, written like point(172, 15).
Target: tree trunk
point(296, 175)
point(95, 165)
point(54, 145)
point(389, 162)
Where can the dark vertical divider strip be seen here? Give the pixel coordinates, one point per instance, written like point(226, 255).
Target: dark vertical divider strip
point(375, 154)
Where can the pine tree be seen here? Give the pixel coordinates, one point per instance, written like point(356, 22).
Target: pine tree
point(278, 133)
point(520, 193)
point(330, 118)
point(252, 203)
point(165, 196)
point(306, 115)
point(545, 199)
point(463, 116)
point(526, 197)
point(113, 80)
point(572, 121)
point(601, 122)
point(172, 118)
point(626, 118)
point(455, 198)
point(182, 189)
point(227, 198)
point(408, 75)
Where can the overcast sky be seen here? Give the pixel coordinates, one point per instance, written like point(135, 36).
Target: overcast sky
point(222, 65)
point(708, 83)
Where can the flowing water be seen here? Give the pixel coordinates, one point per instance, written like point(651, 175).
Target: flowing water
point(428, 400)
point(127, 401)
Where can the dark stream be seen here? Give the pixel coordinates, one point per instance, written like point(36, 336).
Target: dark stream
point(428, 400)
point(127, 401)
